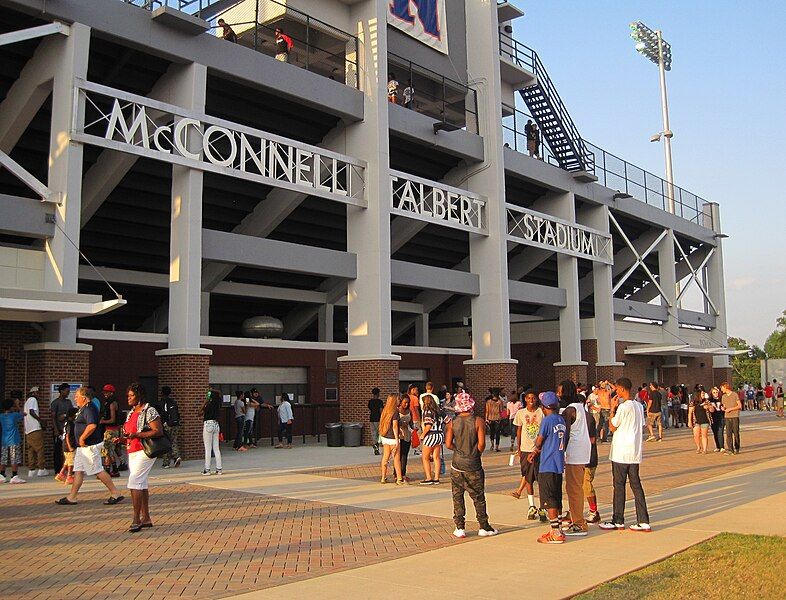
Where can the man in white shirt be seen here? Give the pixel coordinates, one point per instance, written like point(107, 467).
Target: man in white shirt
point(627, 422)
point(34, 436)
point(286, 418)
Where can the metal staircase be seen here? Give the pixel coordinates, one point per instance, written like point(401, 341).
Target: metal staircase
point(554, 122)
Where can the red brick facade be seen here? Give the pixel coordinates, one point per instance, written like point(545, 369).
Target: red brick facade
point(45, 367)
point(480, 377)
point(607, 373)
point(188, 376)
point(723, 374)
point(356, 380)
point(574, 373)
point(13, 338)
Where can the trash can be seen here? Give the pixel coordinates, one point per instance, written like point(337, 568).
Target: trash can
point(333, 433)
point(352, 433)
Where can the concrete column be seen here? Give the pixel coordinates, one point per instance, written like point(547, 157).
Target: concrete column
point(325, 323)
point(716, 285)
point(421, 329)
point(668, 281)
point(204, 313)
point(187, 89)
point(61, 273)
point(598, 218)
point(488, 254)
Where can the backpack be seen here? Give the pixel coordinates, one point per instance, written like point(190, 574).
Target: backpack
point(172, 414)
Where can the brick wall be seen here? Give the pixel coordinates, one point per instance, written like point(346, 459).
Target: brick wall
point(13, 337)
point(356, 379)
point(187, 375)
point(45, 367)
point(575, 373)
point(536, 364)
point(720, 375)
point(480, 377)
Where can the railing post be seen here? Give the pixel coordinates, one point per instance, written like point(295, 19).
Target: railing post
point(308, 46)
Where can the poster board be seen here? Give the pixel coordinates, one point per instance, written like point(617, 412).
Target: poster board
point(423, 20)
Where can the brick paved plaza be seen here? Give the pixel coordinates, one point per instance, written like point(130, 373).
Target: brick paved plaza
point(214, 543)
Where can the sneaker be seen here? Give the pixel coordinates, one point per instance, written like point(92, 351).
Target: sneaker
point(459, 533)
point(544, 517)
point(435, 482)
point(205, 472)
point(3, 479)
point(722, 450)
point(17, 479)
point(166, 467)
point(594, 517)
point(532, 513)
point(660, 439)
point(487, 532)
point(610, 526)
point(384, 480)
point(278, 446)
point(552, 537)
point(651, 438)
point(576, 530)
point(425, 482)
point(718, 450)
point(219, 471)
point(565, 521)
point(177, 462)
point(32, 473)
point(400, 482)
point(43, 473)
point(60, 477)
point(69, 480)
point(643, 527)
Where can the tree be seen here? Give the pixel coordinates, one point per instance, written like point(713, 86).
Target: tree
point(775, 346)
point(746, 367)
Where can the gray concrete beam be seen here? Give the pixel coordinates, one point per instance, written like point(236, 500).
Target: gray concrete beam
point(639, 310)
point(25, 217)
point(532, 293)
point(696, 318)
point(408, 274)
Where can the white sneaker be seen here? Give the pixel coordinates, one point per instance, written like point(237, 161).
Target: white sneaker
point(3, 480)
point(609, 525)
point(17, 479)
point(487, 532)
point(459, 533)
point(644, 527)
point(43, 473)
point(32, 473)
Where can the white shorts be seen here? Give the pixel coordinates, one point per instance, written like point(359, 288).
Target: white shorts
point(139, 467)
point(387, 441)
point(88, 460)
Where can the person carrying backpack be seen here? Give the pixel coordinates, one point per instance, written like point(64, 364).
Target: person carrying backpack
point(171, 417)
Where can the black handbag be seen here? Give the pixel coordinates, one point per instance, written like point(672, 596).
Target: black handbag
point(154, 447)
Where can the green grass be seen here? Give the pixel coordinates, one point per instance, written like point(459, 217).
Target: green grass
point(727, 566)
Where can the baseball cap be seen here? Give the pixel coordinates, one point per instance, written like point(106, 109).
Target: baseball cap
point(34, 389)
point(548, 399)
point(109, 387)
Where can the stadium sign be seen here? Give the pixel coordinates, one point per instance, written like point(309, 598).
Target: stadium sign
point(551, 233)
point(137, 125)
point(437, 203)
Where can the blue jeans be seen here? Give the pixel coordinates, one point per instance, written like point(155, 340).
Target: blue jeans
point(248, 432)
point(664, 416)
point(239, 424)
point(605, 417)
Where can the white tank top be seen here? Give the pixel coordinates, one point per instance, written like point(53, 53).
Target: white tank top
point(579, 446)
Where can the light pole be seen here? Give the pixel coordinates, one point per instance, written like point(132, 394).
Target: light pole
point(651, 45)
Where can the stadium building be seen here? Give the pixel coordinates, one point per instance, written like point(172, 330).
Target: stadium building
point(187, 206)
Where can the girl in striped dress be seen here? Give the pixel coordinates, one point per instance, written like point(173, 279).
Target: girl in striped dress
point(433, 438)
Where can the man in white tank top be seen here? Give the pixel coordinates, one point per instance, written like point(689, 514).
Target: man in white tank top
point(577, 454)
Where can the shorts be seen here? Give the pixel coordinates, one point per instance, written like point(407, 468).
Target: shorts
point(550, 490)
point(432, 440)
point(653, 419)
point(139, 466)
point(387, 441)
point(779, 403)
point(589, 477)
point(11, 455)
point(69, 458)
point(702, 425)
point(529, 470)
point(87, 460)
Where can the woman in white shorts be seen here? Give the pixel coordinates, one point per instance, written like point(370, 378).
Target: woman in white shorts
point(141, 417)
point(389, 436)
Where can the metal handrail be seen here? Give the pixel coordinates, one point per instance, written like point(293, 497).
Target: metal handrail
point(469, 98)
point(521, 54)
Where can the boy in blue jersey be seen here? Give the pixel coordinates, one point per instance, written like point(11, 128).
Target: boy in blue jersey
point(550, 445)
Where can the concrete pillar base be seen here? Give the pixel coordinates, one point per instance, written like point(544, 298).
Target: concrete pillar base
point(721, 374)
point(356, 379)
point(188, 375)
point(576, 372)
point(610, 372)
point(48, 364)
point(480, 376)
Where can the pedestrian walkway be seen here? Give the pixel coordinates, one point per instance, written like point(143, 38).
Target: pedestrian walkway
point(298, 523)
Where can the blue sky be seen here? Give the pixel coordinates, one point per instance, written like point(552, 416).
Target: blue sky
point(727, 100)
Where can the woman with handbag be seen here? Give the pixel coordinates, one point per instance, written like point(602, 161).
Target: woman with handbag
point(404, 435)
point(211, 429)
point(141, 430)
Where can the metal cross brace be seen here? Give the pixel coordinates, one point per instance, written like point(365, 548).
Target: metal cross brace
point(694, 277)
point(639, 260)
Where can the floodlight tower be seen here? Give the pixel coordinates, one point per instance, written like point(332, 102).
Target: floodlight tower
point(651, 45)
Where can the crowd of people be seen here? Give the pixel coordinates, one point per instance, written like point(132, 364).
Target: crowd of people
point(554, 437)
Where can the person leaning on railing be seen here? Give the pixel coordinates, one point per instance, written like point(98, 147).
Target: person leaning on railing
point(227, 33)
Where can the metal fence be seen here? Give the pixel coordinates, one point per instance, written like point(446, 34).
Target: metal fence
point(435, 95)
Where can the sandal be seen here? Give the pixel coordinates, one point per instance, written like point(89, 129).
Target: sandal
point(135, 527)
point(112, 500)
point(64, 501)
point(516, 495)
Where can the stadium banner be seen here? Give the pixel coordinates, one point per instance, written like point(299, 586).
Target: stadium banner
point(424, 20)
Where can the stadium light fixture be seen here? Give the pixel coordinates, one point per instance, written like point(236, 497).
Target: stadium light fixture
point(652, 46)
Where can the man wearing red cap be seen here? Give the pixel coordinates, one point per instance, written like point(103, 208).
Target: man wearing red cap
point(111, 420)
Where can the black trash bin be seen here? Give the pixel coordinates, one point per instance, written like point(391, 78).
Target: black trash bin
point(333, 434)
point(352, 433)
